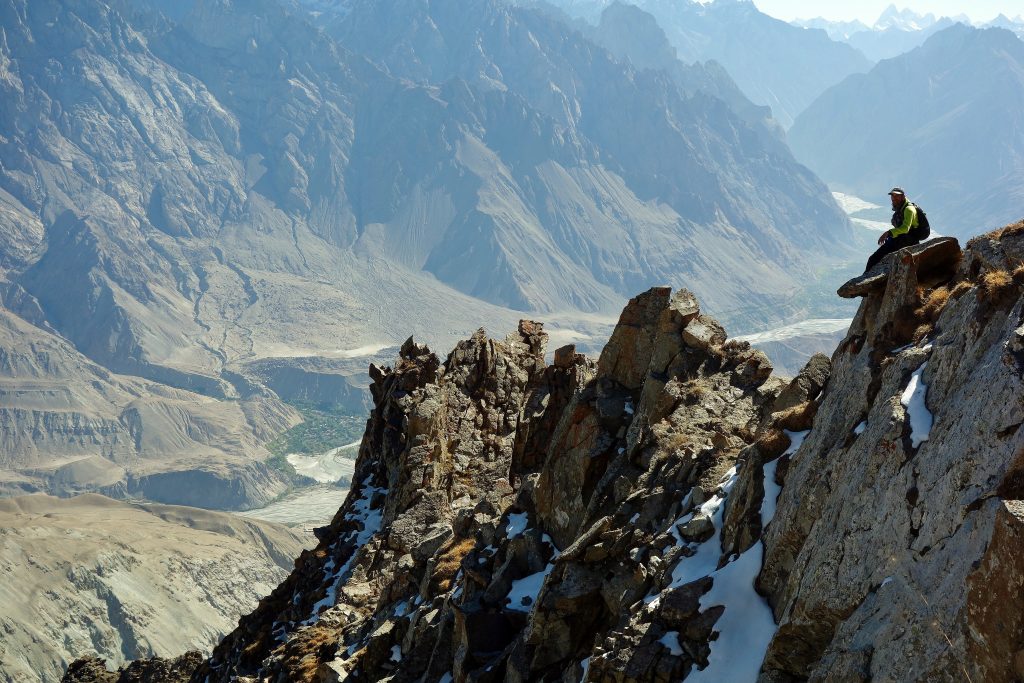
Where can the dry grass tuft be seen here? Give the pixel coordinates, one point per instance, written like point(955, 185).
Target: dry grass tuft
point(1006, 231)
point(932, 307)
point(693, 392)
point(798, 418)
point(772, 444)
point(449, 561)
point(961, 288)
point(999, 233)
point(676, 441)
point(995, 284)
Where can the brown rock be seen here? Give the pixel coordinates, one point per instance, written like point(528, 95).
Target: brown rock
point(704, 333)
point(565, 356)
point(155, 670)
point(627, 354)
point(698, 529)
point(679, 605)
point(936, 253)
point(995, 604)
point(807, 385)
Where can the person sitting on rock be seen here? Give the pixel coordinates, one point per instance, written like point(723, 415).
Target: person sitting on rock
point(906, 228)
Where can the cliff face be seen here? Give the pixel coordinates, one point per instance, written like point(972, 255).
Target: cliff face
point(675, 511)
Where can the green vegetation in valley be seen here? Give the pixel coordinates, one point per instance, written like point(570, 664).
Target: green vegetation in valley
point(324, 426)
point(279, 461)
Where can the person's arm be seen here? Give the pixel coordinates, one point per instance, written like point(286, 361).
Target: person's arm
point(909, 214)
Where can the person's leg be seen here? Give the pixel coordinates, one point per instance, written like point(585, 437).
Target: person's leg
point(894, 244)
point(887, 248)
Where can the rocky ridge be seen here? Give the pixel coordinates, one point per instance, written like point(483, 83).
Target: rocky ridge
point(676, 511)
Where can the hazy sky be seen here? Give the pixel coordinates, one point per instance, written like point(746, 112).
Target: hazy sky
point(868, 10)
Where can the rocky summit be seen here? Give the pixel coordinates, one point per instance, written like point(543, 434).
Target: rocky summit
point(674, 510)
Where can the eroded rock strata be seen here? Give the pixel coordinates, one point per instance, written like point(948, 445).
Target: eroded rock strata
point(676, 511)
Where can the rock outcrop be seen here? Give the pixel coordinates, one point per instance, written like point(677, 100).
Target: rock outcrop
point(674, 511)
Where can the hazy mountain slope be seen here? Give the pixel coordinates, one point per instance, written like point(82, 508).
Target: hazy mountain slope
point(188, 189)
point(943, 121)
point(688, 165)
point(774, 63)
point(630, 33)
point(836, 30)
point(889, 41)
point(125, 581)
point(69, 425)
point(1002, 21)
point(894, 32)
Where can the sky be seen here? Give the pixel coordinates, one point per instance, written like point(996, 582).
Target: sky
point(868, 10)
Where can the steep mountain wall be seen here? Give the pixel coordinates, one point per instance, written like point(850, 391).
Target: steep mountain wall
point(675, 511)
point(774, 63)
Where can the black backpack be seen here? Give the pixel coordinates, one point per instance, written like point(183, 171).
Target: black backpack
point(923, 227)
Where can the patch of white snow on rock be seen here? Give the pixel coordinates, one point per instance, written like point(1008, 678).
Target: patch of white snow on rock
point(517, 522)
point(370, 520)
point(671, 641)
point(523, 594)
point(747, 625)
point(913, 400)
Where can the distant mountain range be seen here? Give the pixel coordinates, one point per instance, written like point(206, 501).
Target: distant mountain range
point(898, 30)
point(194, 195)
point(943, 121)
point(773, 62)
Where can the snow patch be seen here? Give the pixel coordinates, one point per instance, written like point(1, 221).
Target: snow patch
point(585, 664)
point(913, 400)
point(671, 641)
point(524, 592)
point(796, 440)
point(859, 429)
point(747, 625)
point(745, 628)
point(516, 524)
point(705, 558)
point(370, 521)
point(396, 653)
